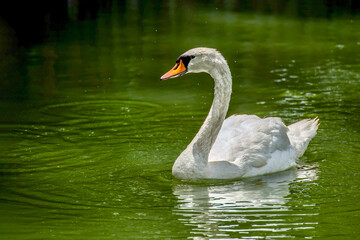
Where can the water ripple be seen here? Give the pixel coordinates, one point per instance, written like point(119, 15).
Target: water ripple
point(250, 207)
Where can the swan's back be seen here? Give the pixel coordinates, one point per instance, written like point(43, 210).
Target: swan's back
point(261, 145)
point(251, 138)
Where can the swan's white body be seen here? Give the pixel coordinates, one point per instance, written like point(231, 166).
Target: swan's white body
point(242, 145)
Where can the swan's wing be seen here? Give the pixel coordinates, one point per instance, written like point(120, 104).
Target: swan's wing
point(251, 141)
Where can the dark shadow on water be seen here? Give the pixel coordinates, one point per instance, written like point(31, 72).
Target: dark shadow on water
point(41, 19)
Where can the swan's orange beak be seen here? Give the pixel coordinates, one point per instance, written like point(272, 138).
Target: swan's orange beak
point(177, 70)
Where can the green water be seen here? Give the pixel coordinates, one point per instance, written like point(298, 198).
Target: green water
point(88, 133)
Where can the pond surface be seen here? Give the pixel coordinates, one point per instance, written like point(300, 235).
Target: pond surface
point(88, 133)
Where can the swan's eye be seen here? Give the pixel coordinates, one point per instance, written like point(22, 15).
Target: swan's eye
point(186, 59)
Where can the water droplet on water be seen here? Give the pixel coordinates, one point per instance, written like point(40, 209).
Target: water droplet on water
point(339, 46)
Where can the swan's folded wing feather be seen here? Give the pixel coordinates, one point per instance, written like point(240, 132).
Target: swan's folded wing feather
point(250, 140)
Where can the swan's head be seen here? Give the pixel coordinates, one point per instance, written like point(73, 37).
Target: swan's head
point(194, 61)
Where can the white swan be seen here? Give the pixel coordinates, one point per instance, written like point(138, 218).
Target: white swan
point(242, 145)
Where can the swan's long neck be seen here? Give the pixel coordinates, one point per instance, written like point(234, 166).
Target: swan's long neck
point(208, 132)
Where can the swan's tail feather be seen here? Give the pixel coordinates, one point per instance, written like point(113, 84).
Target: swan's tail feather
point(300, 134)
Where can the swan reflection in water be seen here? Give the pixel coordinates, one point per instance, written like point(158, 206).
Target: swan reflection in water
point(254, 206)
